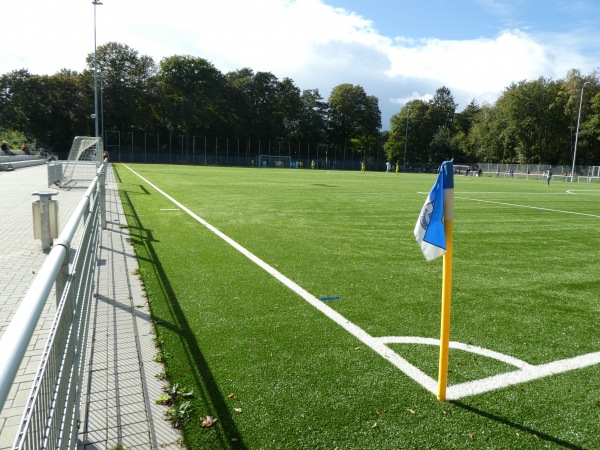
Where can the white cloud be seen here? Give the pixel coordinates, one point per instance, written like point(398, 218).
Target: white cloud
point(480, 66)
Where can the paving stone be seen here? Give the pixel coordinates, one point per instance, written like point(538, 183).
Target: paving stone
point(118, 381)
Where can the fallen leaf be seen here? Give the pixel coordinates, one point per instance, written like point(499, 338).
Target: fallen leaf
point(237, 410)
point(470, 435)
point(536, 437)
point(233, 396)
point(374, 425)
point(378, 412)
point(410, 410)
point(518, 434)
point(208, 421)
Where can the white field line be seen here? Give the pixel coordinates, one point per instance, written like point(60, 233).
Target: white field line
point(577, 191)
point(526, 373)
point(515, 193)
point(531, 373)
point(457, 345)
point(528, 207)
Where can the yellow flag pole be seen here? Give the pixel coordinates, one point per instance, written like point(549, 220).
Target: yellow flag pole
point(446, 300)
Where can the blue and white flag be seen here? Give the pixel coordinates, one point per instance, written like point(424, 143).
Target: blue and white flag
point(438, 208)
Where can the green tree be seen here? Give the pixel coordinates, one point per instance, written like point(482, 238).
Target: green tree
point(290, 107)
point(193, 91)
point(415, 139)
point(535, 116)
point(313, 122)
point(354, 118)
point(124, 82)
point(588, 146)
point(50, 110)
point(255, 103)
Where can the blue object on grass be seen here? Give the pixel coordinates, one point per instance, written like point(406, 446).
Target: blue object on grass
point(330, 298)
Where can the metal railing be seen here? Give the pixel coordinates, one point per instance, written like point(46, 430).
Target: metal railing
point(52, 413)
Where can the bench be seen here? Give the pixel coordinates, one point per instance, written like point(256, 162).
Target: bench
point(20, 160)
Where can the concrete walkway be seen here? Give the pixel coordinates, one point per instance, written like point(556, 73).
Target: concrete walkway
point(120, 381)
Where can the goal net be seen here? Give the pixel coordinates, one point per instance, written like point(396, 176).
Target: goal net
point(85, 157)
point(274, 161)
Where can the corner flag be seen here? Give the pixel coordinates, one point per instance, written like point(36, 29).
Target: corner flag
point(434, 234)
point(438, 208)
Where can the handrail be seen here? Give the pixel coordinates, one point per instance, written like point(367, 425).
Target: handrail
point(21, 328)
point(19, 332)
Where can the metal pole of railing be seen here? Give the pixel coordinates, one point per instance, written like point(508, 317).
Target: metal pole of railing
point(102, 193)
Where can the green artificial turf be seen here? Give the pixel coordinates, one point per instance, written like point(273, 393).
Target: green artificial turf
point(277, 373)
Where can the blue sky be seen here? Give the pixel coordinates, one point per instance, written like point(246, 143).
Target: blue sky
point(397, 50)
point(471, 19)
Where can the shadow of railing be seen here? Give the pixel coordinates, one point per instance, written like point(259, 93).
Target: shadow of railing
point(206, 386)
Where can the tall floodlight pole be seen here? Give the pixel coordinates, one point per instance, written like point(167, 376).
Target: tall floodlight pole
point(406, 139)
point(95, 3)
point(577, 131)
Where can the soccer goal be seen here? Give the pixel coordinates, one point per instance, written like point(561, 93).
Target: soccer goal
point(85, 157)
point(274, 161)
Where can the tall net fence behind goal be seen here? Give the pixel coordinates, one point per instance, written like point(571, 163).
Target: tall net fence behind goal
point(85, 157)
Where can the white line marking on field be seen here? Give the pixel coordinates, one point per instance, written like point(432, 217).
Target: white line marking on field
point(457, 345)
point(572, 191)
point(528, 207)
point(531, 373)
point(170, 209)
point(527, 372)
point(505, 192)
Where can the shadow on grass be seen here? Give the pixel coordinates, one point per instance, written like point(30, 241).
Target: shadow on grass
point(206, 385)
point(518, 426)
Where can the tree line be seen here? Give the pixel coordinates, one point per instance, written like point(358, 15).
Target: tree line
point(531, 122)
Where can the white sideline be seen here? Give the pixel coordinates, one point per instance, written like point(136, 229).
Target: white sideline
point(527, 372)
point(527, 206)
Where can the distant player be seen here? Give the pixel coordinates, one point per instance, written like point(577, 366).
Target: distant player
point(363, 166)
point(549, 175)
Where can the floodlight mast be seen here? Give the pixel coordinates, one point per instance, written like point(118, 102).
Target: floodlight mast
point(406, 138)
point(577, 131)
point(95, 3)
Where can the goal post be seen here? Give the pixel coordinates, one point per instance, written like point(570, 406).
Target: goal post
point(85, 157)
point(283, 162)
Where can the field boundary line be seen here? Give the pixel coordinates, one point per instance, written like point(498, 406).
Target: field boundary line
point(525, 373)
point(527, 206)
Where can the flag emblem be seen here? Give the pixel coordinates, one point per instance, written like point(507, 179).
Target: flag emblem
point(439, 206)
